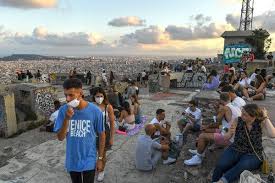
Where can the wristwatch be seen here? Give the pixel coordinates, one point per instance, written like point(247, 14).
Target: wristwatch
point(100, 158)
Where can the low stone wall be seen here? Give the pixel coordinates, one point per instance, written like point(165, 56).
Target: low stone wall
point(36, 98)
point(206, 102)
point(192, 80)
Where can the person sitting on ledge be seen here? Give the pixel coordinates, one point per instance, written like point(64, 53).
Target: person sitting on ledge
point(191, 119)
point(163, 127)
point(226, 114)
point(149, 151)
point(212, 81)
point(246, 151)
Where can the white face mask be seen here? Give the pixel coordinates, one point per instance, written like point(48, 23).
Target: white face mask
point(74, 103)
point(99, 100)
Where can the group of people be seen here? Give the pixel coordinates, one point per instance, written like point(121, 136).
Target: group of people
point(89, 127)
point(250, 88)
point(237, 127)
point(21, 75)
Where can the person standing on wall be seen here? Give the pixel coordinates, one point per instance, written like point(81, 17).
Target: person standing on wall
point(78, 121)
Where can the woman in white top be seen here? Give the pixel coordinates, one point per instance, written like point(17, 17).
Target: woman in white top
point(127, 116)
point(244, 83)
point(189, 68)
point(100, 99)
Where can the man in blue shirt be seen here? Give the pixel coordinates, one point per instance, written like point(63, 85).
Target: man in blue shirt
point(79, 121)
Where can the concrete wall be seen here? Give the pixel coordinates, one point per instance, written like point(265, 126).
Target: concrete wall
point(38, 98)
point(43, 99)
point(229, 41)
point(8, 123)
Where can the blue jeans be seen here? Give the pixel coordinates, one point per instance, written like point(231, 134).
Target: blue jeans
point(232, 163)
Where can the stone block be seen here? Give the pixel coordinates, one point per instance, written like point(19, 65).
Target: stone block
point(37, 98)
point(8, 123)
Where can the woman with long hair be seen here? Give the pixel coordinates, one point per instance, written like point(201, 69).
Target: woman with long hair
point(245, 153)
point(136, 105)
point(100, 99)
point(127, 117)
point(258, 92)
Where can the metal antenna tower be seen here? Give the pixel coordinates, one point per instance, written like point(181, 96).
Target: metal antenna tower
point(246, 15)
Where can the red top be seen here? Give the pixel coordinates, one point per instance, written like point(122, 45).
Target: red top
point(225, 68)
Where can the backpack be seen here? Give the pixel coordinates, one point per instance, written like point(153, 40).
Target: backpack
point(174, 150)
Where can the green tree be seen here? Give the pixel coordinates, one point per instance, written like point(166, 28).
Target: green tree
point(260, 41)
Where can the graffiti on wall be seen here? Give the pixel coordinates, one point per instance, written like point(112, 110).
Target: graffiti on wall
point(192, 80)
point(44, 99)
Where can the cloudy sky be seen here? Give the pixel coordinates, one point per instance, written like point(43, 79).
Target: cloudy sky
point(123, 27)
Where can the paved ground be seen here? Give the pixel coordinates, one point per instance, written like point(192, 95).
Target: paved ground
point(37, 157)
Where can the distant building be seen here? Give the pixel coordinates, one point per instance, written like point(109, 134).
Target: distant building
point(235, 37)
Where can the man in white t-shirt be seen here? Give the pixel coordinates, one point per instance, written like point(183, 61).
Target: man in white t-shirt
point(203, 69)
point(235, 100)
point(163, 127)
point(253, 75)
point(191, 119)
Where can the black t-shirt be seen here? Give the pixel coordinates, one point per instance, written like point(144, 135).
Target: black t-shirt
point(269, 57)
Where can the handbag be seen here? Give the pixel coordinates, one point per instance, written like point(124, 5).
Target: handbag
point(107, 133)
point(265, 164)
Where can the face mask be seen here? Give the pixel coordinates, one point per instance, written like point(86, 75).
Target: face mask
point(74, 103)
point(99, 100)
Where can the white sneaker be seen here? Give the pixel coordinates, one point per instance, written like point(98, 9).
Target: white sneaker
point(195, 152)
point(100, 176)
point(169, 161)
point(195, 160)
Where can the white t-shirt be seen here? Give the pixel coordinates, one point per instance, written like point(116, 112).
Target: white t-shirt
point(54, 116)
point(189, 68)
point(253, 77)
point(143, 74)
point(196, 114)
point(238, 102)
point(203, 69)
point(245, 82)
point(155, 121)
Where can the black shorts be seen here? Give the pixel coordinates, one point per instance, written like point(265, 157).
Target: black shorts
point(83, 177)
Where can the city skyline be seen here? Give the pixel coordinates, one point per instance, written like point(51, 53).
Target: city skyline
point(123, 27)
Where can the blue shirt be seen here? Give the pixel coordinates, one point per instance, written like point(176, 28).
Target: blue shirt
point(81, 137)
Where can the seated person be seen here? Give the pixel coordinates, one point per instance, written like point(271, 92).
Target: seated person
point(163, 127)
point(149, 151)
point(246, 151)
point(127, 117)
point(212, 81)
point(253, 75)
point(243, 83)
point(258, 92)
point(113, 96)
point(226, 114)
point(235, 100)
point(132, 89)
point(136, 105)
point(52, 119)
point(191, 120)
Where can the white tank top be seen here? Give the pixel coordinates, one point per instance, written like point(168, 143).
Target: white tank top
point(236, 112)
point(107, 116)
